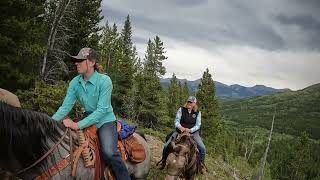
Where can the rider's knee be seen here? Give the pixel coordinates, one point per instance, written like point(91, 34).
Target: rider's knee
point(202, 148)
point(109, 153)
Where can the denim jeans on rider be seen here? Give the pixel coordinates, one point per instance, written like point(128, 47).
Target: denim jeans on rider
point(201, 146)
point(109, 140)
point(196, 137)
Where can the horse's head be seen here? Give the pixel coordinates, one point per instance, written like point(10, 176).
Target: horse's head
point(183, 159)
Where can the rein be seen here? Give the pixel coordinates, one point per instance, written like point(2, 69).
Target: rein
point(47, 154)
point(188, 163)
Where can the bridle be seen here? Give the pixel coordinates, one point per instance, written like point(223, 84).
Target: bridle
point(188, 163)
point(47, 153)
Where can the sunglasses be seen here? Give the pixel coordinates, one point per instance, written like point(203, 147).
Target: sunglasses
point(78, 60)
point(190, 102)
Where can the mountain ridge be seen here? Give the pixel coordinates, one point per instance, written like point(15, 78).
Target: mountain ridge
point(229, 92)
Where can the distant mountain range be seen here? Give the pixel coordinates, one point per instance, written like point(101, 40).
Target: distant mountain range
point(232, 92)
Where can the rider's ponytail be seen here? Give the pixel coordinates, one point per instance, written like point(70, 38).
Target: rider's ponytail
point(98, 68)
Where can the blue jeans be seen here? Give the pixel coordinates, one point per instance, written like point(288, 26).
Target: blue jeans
point(196, 137)
point(201, 146)
point(109, 145)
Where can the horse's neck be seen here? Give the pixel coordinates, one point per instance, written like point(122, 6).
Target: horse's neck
point(57, 155)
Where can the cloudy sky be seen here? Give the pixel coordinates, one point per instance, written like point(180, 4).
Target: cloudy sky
point(271, 42)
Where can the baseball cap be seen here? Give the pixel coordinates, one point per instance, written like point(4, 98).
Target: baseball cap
point(86, 53)
point(192, 99)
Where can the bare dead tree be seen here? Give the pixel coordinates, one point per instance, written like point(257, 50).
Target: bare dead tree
point(52, 64)
point(246, 150)
point(252, 146)
point(264, 159)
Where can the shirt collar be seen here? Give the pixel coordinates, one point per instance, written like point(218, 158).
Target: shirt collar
point(93, 79)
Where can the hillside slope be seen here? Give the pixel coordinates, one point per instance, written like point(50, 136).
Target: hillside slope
point(296, 112)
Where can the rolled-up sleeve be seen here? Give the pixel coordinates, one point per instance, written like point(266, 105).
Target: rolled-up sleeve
point(178, 118)
point(196, 127)
point(67, 104)
point(103, 106)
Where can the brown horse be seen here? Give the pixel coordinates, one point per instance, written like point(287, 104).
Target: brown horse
point(183, 160)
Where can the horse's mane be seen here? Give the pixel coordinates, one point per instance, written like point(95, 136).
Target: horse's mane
point(188, 140)
point(24, 133)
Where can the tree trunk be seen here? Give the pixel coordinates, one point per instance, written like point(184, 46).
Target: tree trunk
point(263, 163)
point(58, 16)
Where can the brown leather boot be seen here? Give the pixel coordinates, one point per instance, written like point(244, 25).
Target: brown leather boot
point(203, 168)
point(162, 164)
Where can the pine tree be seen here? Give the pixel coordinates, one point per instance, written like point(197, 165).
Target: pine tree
point(108, 47)
point(155, 56)
point(208, 104)
point(120, 57)
point(125, 71)
point(86, 29)
point(184, 92)
point(21, 42)
point(126, 37)
point(152, 105)
point(174, 92)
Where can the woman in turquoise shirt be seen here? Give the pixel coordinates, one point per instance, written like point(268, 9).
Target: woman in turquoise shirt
point(93, 90)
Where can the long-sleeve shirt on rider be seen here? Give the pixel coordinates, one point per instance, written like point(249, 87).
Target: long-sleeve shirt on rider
point(194, 128)
point(94, 95)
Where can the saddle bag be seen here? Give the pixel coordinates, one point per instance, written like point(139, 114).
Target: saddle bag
point(135, 150)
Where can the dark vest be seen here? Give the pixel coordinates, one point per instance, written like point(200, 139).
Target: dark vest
point(188, 120)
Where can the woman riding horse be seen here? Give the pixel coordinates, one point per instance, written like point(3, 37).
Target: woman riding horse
point(93, 90)
point(188, 120)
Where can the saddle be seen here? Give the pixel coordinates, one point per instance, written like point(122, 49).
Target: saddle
point(130, 150)
point(133, 150)
point(89, 147)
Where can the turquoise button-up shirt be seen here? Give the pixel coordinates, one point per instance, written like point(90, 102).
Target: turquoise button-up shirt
point(94, 95)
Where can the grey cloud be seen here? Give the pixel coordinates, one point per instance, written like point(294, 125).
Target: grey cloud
point(206, 34)
point(214, 23)
point(271, 42)
point(306, 30)
point(189, 3)
point(305, 22)
point(140, 40)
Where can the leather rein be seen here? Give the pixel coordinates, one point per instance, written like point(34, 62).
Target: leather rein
point(47, 153)
point(188, 163)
